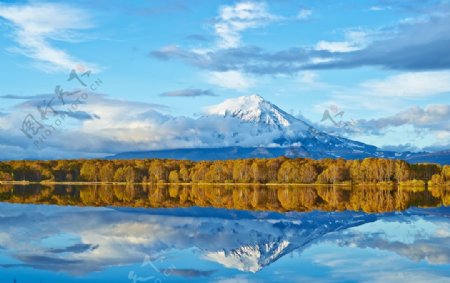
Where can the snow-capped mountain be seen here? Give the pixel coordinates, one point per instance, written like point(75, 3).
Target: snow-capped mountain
point(249, 240)
point(249, 126)
point(253, 109)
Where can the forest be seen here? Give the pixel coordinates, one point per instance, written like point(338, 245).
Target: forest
point(280, 170)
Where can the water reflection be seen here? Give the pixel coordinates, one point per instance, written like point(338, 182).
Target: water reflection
point(278, 198)
point(86, 244)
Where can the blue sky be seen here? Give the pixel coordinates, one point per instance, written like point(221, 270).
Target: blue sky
point(385, 63)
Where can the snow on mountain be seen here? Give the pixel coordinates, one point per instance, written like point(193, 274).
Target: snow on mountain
point(256, 122)
point(271, 125)
point(253, 108)
point(251, 258)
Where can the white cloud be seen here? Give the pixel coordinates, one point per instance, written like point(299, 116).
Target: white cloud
point(336, 46)
point(414, 84)
point(443, 136)
point(231, 79)
point(430, 117)
point(36, 25)
point(233, 20)
point(379, 8)
point(376, 8)
point(354, 40)
point(103, 125)
point(304, 14)
point(389, 94)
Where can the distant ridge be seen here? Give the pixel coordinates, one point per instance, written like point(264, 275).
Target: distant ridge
point(441, 157)
point(198, 154)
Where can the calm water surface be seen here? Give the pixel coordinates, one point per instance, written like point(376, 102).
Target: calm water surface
point(223, 234)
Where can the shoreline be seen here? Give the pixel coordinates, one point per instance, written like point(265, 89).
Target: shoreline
point(178, 183)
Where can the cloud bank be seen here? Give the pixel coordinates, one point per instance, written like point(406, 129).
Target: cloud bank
point(411, 47)
point(101, 125)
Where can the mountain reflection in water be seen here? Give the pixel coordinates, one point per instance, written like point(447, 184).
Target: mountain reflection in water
point(220, 233)
point(88, 244)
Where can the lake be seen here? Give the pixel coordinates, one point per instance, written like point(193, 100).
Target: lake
point(201, 233)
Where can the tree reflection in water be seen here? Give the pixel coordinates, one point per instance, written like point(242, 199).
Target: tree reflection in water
point(248, 197)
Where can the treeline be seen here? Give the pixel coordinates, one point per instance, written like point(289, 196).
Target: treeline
point(276, 170)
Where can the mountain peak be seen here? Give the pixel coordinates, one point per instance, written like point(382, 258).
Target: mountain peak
point(252, 258)
point(252, 108)
point(254, 97)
